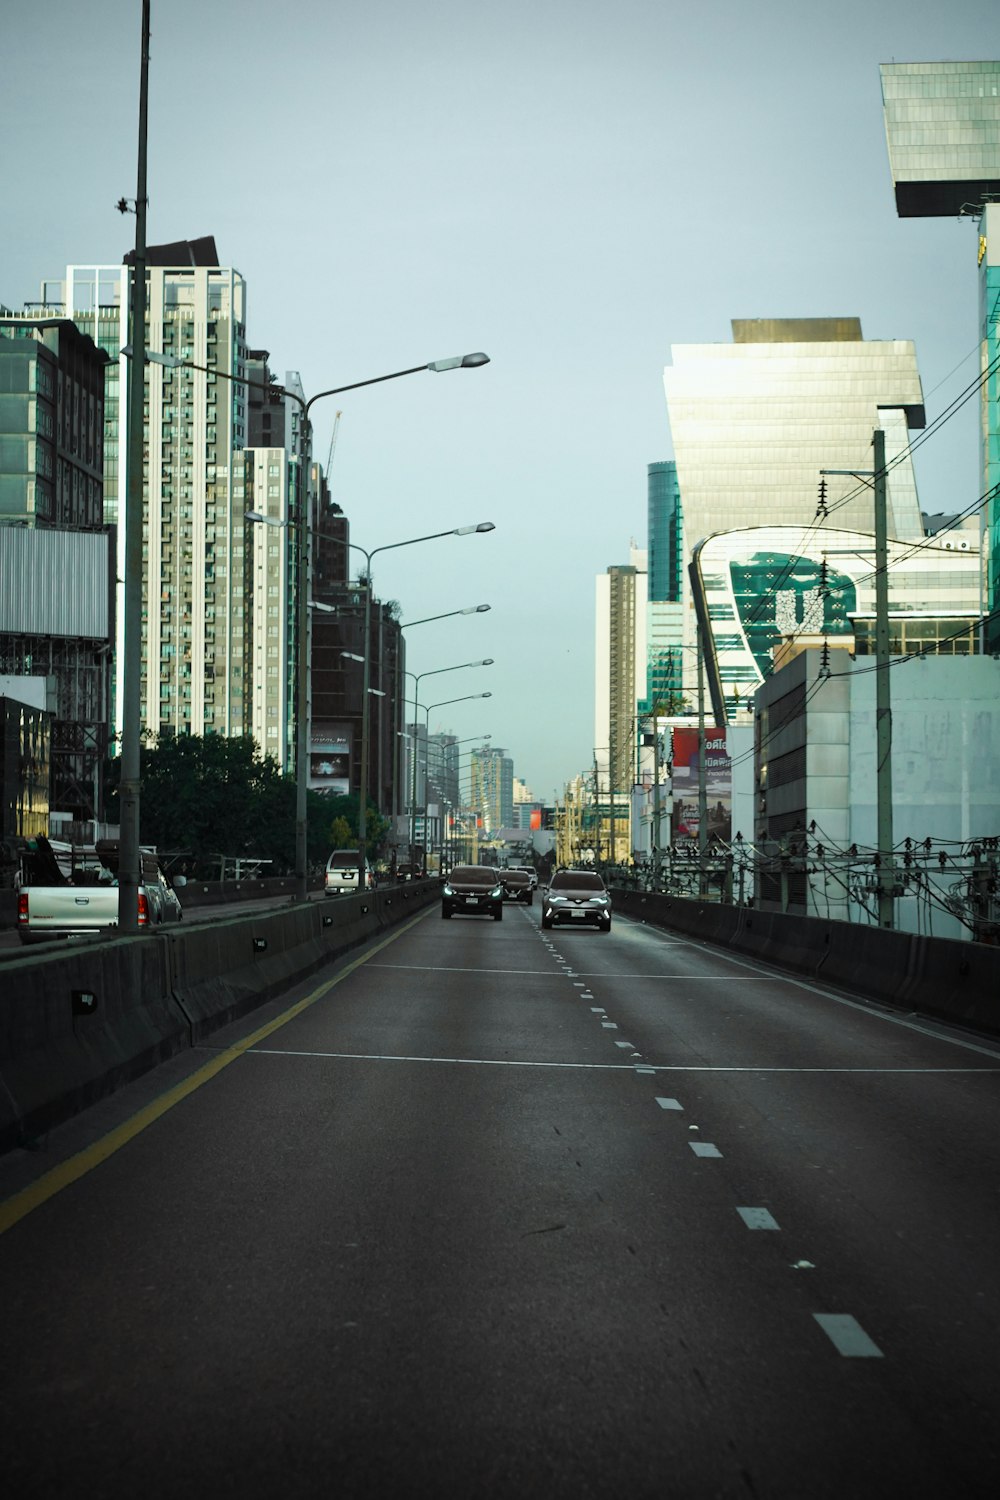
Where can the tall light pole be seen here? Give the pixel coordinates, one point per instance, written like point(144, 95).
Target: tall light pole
point(482, 526)
point(417, 679)
point(129, 782)
point(466, 698)
point(471, 609)
point(301, 524)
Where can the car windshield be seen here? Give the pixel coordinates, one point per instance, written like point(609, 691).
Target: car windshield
point(576, 880)
point(474, 875)
point(516, 877)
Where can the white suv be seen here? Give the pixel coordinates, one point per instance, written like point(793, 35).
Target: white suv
point(342, 873)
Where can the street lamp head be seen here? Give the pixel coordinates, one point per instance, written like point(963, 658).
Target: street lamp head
point(482, 608)
point(487, 661)
point(460, 362)
point(352, 656)
point(471, 530)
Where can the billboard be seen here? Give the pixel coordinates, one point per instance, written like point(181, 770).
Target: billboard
point(718, 784)
point(330, 758)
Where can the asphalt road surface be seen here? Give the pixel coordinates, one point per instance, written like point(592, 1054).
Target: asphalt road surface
point(499, 1212)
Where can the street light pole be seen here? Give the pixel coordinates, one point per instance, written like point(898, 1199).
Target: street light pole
point(418, 677)
point(482, 526)
point(302, 522)
point(129, 872)
point(466, 698)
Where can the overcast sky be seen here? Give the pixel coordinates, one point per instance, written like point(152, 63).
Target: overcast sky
point(571, 186)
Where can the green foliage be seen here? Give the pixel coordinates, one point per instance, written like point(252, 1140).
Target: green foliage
point(217, 795)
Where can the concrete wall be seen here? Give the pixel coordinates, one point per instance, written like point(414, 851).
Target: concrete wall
point(936, 976)
point(158, 993)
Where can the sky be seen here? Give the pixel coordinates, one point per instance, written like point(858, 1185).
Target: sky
point(571, 187)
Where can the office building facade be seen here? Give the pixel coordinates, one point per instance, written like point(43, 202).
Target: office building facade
point(942, 124)
point(755, 422)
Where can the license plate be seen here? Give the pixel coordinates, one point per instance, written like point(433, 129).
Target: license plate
point(578, 913)
point(472, 900)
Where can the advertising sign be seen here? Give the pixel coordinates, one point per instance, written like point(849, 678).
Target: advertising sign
point(330, 758)
point(718, 785)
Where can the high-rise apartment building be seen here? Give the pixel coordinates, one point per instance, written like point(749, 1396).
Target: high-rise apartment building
point(754, 422)
point(195, 543)
point(620, 670)
point(492, 795)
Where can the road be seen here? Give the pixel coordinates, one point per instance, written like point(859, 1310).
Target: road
point(504, 1212)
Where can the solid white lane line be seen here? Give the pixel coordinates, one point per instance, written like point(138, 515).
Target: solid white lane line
point(476, 1062)
point(445, 969)
point(704, 1148)
point(847, 1336)
point(765, 1068)
point(869, 1010)
point(757, 1218)
point(669, 1103)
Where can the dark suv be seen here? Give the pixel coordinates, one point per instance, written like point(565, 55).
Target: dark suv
point(473, 891)
point(576, 897)
point(517, 886)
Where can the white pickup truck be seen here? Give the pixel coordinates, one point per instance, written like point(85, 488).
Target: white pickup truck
point(69, 890)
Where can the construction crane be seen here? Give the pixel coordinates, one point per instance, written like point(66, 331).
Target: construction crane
point(333, 444)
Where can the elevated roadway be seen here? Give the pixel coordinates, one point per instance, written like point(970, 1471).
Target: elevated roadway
point(485, 1210)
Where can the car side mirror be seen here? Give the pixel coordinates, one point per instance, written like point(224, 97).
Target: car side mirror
point(179, 881)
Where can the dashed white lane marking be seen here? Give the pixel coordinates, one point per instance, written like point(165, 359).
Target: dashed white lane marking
point(704, 1148)
point(578, 984)
point(610, 1025)
point(757, 1218)
point(667, 1103)
point(598, 1010)
point(623, 1044)
point(586, 995)
point(847, 1336)
point(646, 1070)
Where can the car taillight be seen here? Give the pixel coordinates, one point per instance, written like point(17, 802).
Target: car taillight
point(22, 907)
point(143, 910)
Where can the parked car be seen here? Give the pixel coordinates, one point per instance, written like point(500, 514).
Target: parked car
point(576, 897)
point(472, 891)
point(342, 873)
point(517, 886)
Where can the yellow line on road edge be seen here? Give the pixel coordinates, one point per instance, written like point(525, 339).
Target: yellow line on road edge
point(68, 1172)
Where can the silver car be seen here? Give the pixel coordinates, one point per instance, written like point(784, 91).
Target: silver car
point(576, 898)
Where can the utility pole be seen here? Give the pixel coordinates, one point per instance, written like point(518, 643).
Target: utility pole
point(656, 797)
point(702, 785)
point(886, 875)
point(883, 705)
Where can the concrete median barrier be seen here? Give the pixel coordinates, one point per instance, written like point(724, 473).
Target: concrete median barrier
point(78, 1023)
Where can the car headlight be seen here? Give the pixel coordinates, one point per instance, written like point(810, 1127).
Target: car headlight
point(497, 890)
point(557, 900)
point(448, 891)
point(601, 901)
